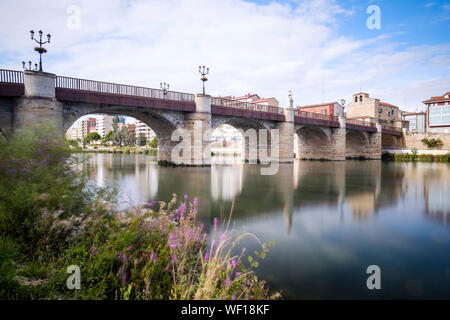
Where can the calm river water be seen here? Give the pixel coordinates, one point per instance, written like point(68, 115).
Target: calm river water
point(330, 220)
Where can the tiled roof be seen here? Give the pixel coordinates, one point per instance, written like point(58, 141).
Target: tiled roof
point(317, 105)
point(438, 98)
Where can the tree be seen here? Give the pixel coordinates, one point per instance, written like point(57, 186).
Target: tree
point(92, 136)
point(108, 137)
point(153, 143)
point(141, 140)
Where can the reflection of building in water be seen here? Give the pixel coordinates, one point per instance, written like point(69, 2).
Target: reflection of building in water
point(226, 182)
point(146, 177)
point(437, 196)
point(362, 205)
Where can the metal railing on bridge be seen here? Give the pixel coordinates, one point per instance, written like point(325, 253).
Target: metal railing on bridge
point(11, 76)
point(217, 101)
point(312, 115)
point(387, 127)
point(361, 123)
point(120, 89)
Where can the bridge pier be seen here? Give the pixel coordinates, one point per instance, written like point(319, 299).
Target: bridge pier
point(321, 143)
point(38, 105)
point(286, 133)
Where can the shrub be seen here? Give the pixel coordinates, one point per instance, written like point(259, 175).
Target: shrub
point(432, 143)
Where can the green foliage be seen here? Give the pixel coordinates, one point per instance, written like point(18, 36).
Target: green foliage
point(141, 140)
point(92, 136)
point(153, 143)
point(414, 157)
point(433, 143)
point(50, 218)
point(108, 137)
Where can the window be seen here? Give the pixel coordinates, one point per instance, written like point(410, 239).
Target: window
point(356, 99)
point(440, 116)
point(360, 98)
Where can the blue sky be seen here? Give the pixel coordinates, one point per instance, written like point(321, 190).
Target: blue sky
point(322, 50)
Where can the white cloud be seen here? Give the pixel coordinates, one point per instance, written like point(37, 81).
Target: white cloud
point(268, 49)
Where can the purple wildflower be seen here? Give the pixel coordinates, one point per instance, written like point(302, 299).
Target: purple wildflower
point(185, 197)
point(124, 279)
point(151, 204)
point(153, 257)
point(233, 297)
point(237, 275)
point(129, 247)
point(175, 258)
point(234, 263)
point(227, 282)
point(181, 209)
point(206, 258)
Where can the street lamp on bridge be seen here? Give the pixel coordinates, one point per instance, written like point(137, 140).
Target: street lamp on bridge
point(165, 87)
point(204, 74)
point(29, 66)
point(40, 49)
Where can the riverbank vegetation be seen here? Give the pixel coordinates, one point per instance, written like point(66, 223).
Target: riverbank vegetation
point(414, 157)
point(51, 218)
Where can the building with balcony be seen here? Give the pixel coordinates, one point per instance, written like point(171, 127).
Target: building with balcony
point(438, 113)
point(141, 127)
point(104, 125)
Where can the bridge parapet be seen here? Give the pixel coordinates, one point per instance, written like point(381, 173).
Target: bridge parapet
point(391, 130)
point(317, 119)
point(361, 125)
point(246, 109)
point(11, 83)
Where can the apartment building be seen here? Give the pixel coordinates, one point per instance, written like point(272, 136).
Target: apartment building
point(438, 113)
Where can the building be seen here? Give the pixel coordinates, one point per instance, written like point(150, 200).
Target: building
point(365, 108)
point(438, 113)
point(330, 109)
point(417, 121)
point(75, 132)
point(132, 129)
point(254, 98)
point(89, 125)
point(104, 125)
point(141, 127)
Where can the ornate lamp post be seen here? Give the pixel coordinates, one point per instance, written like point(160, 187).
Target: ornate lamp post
point(165, 87)
point(40, 49)
point(29, 66)
point(204, 74)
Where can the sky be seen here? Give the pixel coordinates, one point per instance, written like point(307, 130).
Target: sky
point(321, 50)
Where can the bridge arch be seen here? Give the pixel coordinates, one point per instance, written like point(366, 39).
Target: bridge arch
point(162, 123)
point(357, 144)
point(313, 142)
point(251, 143)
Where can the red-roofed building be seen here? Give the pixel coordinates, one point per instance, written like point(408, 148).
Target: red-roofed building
point(363, 107)
point(329, 108)
point(438, 113)
point(254, 98)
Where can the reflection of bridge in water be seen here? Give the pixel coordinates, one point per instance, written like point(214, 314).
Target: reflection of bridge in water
point(360, 188)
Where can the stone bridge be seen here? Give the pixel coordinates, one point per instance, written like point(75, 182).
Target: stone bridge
point(31, 97)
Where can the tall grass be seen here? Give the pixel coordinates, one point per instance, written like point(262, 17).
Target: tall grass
point(51, 218)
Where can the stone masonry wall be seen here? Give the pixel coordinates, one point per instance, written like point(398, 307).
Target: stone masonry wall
point(414, 140)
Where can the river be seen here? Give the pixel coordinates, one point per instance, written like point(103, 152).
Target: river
point(329, 220)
